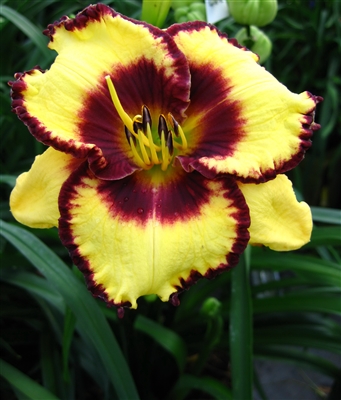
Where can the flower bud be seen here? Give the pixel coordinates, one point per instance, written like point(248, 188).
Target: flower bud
point(155, 12)
point(211, 307)
point(253, 12)
point(180, 14)
point(195, 11)
point(258, 42)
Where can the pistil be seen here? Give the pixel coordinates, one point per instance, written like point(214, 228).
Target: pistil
point(123, 115)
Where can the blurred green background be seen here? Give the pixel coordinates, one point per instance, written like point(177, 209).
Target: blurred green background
point(59, 342)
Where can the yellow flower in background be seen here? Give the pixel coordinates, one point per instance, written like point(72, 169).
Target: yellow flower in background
point(167, 153)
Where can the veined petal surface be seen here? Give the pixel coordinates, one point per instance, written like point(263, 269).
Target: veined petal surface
point(278, 220)
point(34, 199)
point(141, 235)
point(242, 121)
point(175, 203)
point(69, 106)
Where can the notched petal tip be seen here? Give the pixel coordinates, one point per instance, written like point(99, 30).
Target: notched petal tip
point(196, 26)
point(120, 312)
point(312, 125)
point(185, 284)
point(174, 299)
point(18, 87)
point(90, 13)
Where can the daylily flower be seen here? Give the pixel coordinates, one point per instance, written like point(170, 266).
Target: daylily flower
point(167, 153)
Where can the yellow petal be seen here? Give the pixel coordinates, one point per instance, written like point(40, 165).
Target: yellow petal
point(278, 220)
point(34, 199)
point(136, 236)
point(242, 121)
point(69, 106)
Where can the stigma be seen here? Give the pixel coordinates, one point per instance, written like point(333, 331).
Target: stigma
point(149, 147)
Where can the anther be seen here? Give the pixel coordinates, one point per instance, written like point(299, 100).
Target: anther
point(162, 127)
point(178, 131)
point(129, 135)
point(146, 137)
point(174, 124)
point(137, 126)
point(170, 143)
point(146, 118)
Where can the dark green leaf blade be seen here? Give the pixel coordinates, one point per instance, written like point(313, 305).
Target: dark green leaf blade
point(24, 384)
point(241, 335)
point(90, 320)
point(28, 28)
point(166, 338)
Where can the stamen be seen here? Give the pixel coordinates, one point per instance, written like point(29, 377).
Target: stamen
point(146, 118)
point(137, 157)
point(123, 115)
point(164, 152)
point(140, 129)
point(137, 126)
point(152, 146)
point(162, 126)
point(170, 143)
point(174, 124)
point(147, 130)
point(183, 138)
point(147, 141)
point(142, 148)
point(129, 135)
point(178, 130)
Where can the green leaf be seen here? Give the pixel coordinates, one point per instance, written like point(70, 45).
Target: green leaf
point(35, 285)
point(69, 327)
point(328, 236)
point(28, 29)
point(8, 179)
point(241, 335)
point(166, 338)
point(205, 384)
point(4, 345)
point(306, 267)
point(297, 335)
point(326, 215)
point(275, 285)
point(90, 321)
point(298, 303)
point(26, 385)
point(50, 369)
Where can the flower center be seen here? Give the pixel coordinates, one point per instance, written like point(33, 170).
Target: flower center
point(148, 149)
